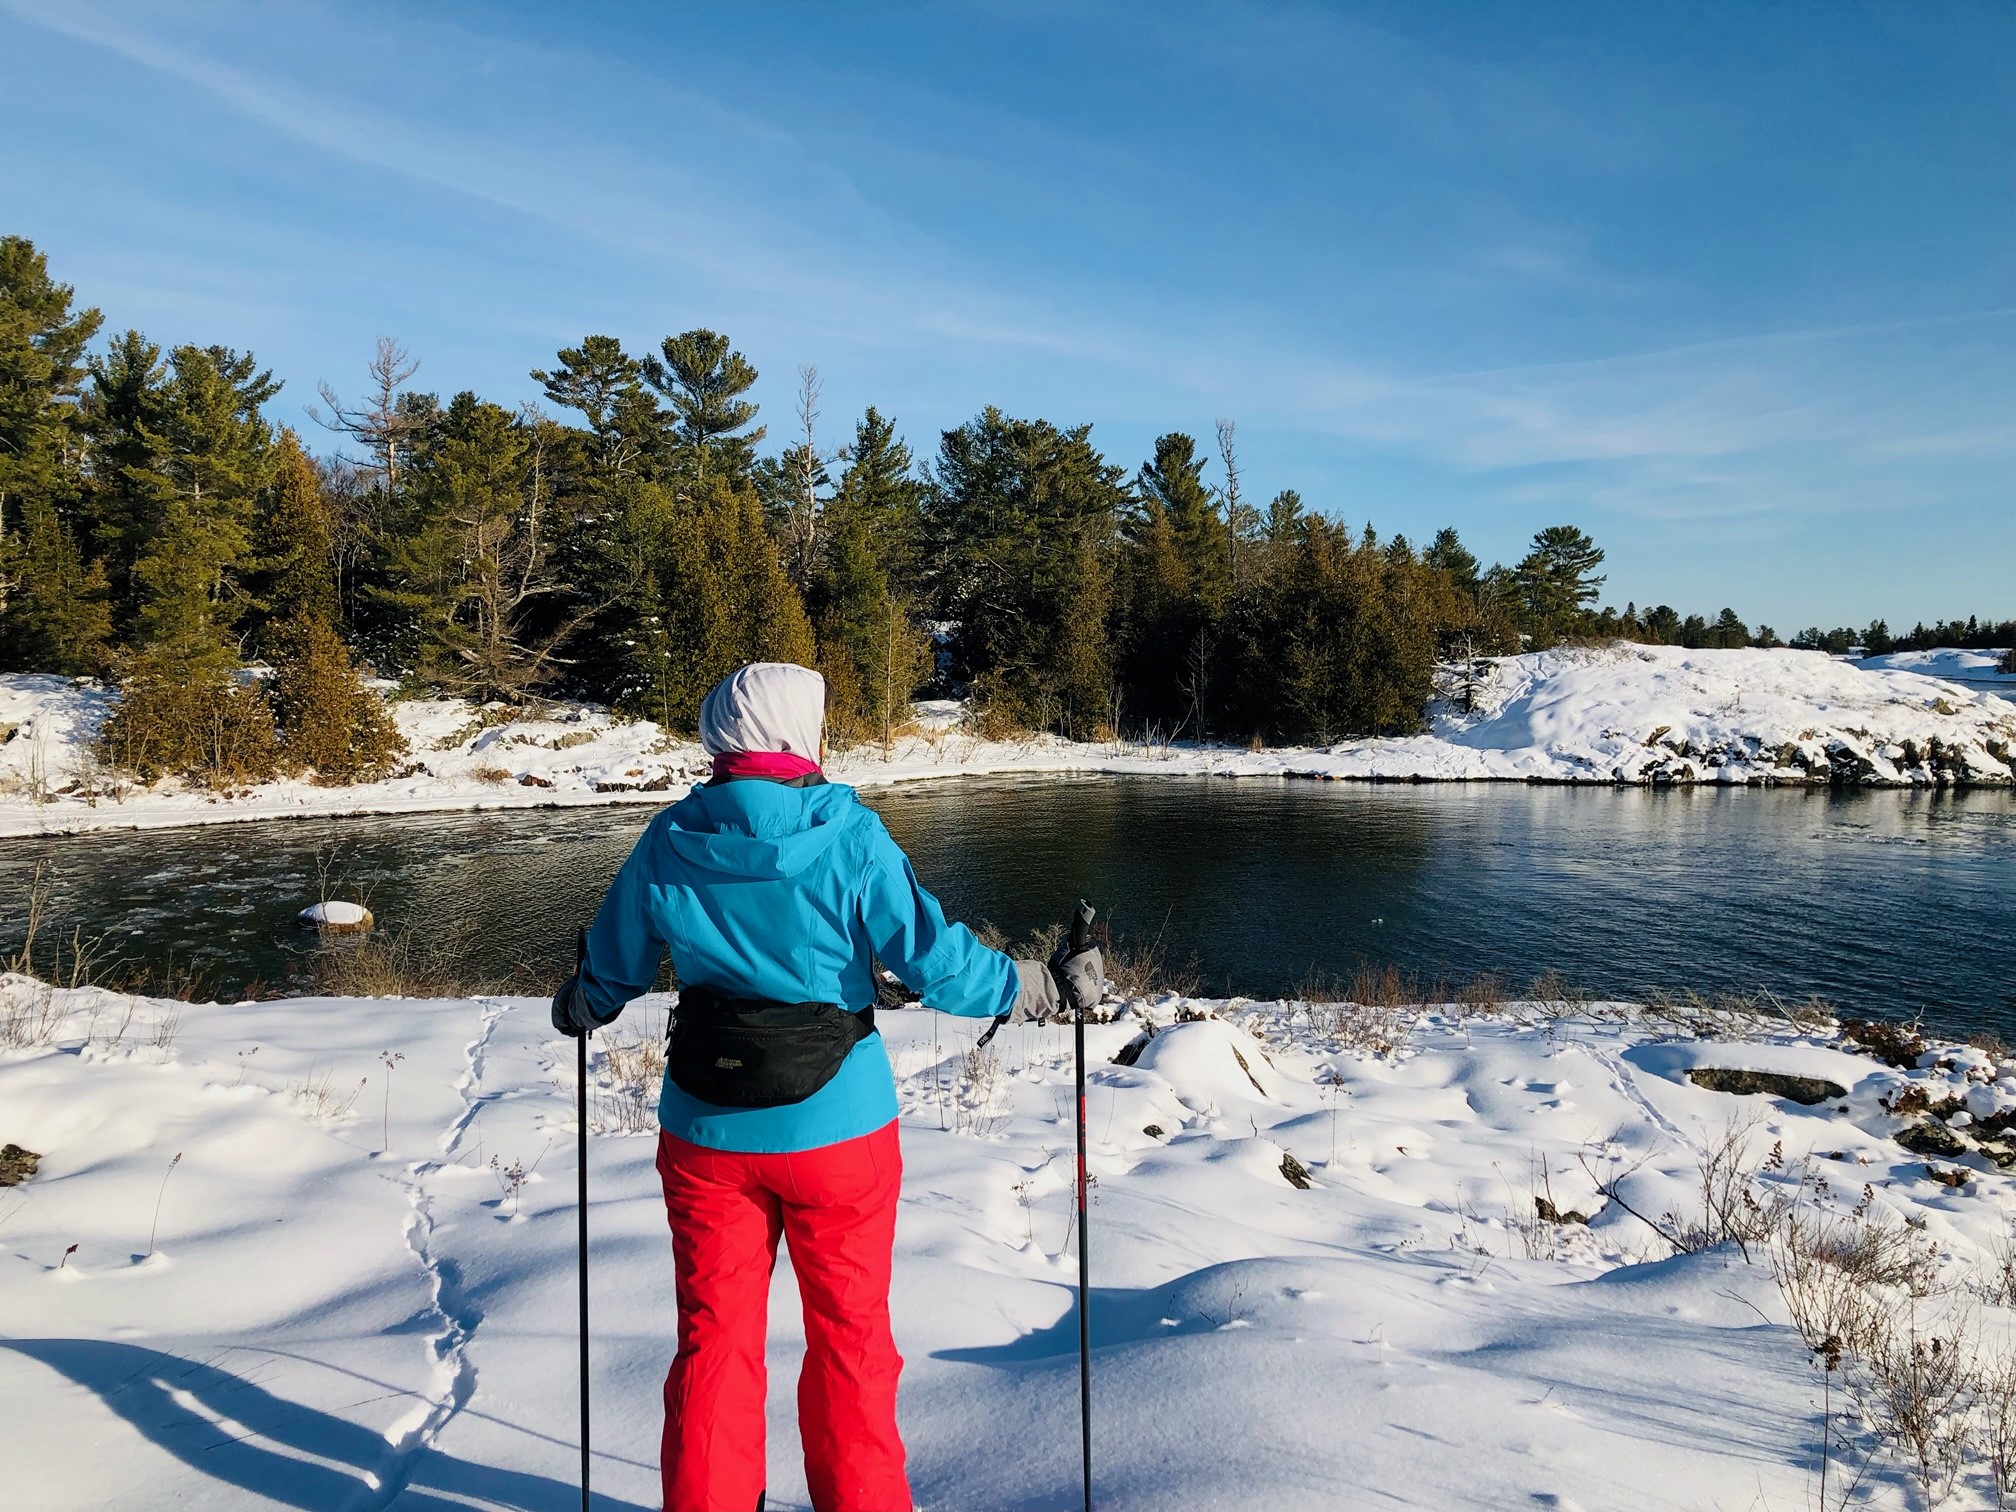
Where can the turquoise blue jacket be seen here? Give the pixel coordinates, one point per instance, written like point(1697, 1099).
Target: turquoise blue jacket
point(787, 893)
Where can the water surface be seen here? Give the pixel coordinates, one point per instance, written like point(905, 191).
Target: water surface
point(1884, 902)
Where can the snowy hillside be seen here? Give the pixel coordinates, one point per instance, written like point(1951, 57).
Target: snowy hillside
point(1624, 714)
point(319, 1253)
point(1975, 669)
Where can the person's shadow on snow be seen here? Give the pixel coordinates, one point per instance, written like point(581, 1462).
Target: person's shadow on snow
point(236, 1432)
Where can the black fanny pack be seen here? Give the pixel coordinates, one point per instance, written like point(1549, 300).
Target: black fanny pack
point(753, 1053)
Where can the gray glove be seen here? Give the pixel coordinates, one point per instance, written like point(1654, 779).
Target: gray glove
point(1081, 977)
point(1037, 1001)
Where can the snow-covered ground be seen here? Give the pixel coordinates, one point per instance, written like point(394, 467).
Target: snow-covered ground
point(1974, 669)
point(360, 1290)
point(1624, 714)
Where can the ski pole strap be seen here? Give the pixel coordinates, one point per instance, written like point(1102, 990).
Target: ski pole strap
point(992, 1029)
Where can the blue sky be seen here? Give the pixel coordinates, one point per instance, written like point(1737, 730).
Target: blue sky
point(1728, 285)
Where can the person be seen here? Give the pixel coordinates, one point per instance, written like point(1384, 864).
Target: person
point(776, 893)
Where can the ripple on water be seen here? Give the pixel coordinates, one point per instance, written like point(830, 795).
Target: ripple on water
point(1881, 902)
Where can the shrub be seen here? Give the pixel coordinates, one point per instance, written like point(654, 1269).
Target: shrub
point(1897, 1045)
point(405, 963)
point(330, 723)
point(1921, 1398)
point(200, 723)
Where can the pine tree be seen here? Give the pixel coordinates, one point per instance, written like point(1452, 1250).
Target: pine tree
point(1729, 632)
point(53, 616)
point(871, 648)
point(631, 430)
point(329, 721)
point(881, 486)
point(1448, 553)
point(1175, 481)
point(1156, 618)
point(1019, 533)
point(473, 574)
point(184, 453)
point(293, 542)
point(1284, 518)
point(872, 653)
point(197, 492)
point(56, 619)
point(611, 554)
point(1558, 581)
point(181, 455)
point(725, 598)
point(704, 381)
point(51, 598)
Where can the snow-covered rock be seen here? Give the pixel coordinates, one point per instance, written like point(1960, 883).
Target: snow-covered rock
point(337, 917)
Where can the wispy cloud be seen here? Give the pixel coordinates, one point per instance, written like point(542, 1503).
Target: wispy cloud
point(735, 210)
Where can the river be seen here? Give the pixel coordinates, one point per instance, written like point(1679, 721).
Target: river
point(1889, 903)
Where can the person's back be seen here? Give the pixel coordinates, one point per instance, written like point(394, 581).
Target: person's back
point(789, 894)
point(776, 894)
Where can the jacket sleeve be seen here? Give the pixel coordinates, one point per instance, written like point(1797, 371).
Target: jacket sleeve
point(624, 948)
point(940, 961)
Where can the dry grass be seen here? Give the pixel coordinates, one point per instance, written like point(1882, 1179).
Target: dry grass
point(632, 1070)
point(1995, 1282)
point(321, 1099)
point(1481, 994)
point(1142, 968)
point(1736, 1204)
point(31, 1016)
point(975, 1094)
point(406, 963)
point(1134, 968)
point(1928, 1397)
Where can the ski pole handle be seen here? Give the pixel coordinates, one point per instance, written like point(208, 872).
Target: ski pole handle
point(1081, 926)
point(1080, 941)
point(1081, 938)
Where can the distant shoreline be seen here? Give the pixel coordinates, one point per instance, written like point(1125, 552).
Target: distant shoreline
point(1610, 717)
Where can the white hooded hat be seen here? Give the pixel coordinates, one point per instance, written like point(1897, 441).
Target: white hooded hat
point(767, 706)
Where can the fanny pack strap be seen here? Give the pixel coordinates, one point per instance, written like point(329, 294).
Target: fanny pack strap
point(705, 999)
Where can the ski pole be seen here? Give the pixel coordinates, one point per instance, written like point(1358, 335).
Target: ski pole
point(1081, 937)
point(581, 1210)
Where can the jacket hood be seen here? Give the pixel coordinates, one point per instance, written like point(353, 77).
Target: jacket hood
point(756, 830)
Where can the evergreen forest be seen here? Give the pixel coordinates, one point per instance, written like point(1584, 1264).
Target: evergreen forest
point(642, 532)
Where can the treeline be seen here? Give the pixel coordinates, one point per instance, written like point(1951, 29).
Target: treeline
point(633, 542)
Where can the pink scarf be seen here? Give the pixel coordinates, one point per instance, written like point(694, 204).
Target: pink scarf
point(781, 766)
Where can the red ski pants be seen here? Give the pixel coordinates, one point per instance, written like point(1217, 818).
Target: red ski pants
point(836, 1206)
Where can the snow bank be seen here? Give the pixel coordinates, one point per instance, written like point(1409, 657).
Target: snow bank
point(1974, 669)
point(360, 1291)
point(1625, 714)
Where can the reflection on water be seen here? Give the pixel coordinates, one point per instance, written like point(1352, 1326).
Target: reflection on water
point(1882, 902)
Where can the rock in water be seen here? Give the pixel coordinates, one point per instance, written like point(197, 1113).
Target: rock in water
point(337, 918)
